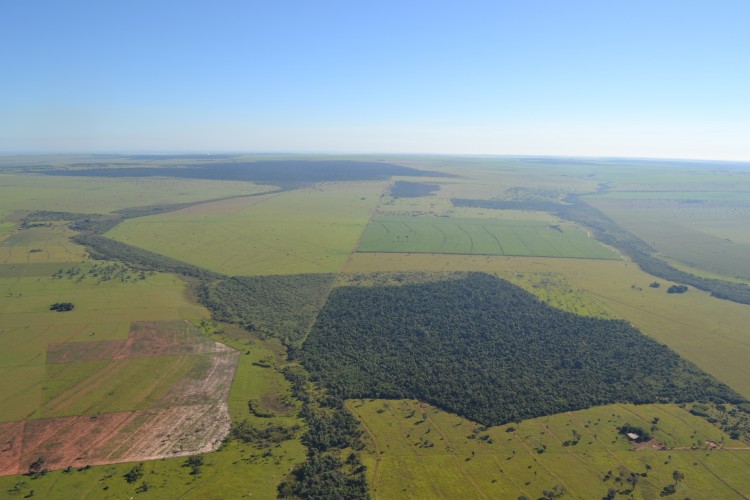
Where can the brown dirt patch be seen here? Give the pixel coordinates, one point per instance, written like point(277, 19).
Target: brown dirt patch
point(648, 445)
point(146, 339)
point(207, 385)
point(193, 417)
point(77, 352)
point(113, 437)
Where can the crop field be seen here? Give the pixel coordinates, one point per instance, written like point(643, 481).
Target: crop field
point(710, 332)
point(480, 237)
point(310, 230)
point(709, 231)
point(104, 194)
point(418, 451)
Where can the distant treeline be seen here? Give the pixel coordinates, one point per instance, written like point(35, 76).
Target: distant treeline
point(403, 189)
point(285, 173)
point(608, 232)
point(490, 351)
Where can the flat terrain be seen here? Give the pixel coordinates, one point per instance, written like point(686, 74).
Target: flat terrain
point(418, 451)
point(710, 332)
point(103, 194)
point(480, 237)
point(238, 469)
point(709, 231)
point(310, 230)
point(138, 371)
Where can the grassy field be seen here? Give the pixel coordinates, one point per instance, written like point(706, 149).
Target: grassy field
point(709, 231)
point(711, 333)
point(418, 451)
point(303, 231)
point(102, 194)
point(38, 245)
point(103, 311)
point(480, 237)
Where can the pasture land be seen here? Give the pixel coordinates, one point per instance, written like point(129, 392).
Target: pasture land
point(480, 237)
point(710, 332)
point(104, 194)
point(310, 230)
point(49, 243)
point(709, 231)
point(418, 451)
point(103, 310)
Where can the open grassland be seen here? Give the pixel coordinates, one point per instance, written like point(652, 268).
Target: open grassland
point(310, 230)
point(103, 194)
point(103, 311)
point(695, 228)
point(480, 237)
point(711, 333)
point(237, 470)
point(38, 245)
point(418, 451)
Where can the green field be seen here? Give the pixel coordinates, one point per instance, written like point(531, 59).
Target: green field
point(303, 231)
point(454, 235)
point(104, 311)
point(104, 194)
point(709, 231)
point(418, 451)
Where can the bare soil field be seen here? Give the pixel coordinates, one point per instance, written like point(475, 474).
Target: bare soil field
point(113, 437)
point(188, 416)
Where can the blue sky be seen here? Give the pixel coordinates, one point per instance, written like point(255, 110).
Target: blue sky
point(592, 78)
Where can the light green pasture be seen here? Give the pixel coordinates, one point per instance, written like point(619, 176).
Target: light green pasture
point(418, 451)
point(452, 235)
point(103, 311)
point(309, 230)
point(107, 194)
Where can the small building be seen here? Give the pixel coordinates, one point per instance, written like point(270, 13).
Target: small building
point(633, 436)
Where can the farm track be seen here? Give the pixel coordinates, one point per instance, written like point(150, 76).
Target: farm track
point(459, 465)
point(499, 245)
point(471, 240)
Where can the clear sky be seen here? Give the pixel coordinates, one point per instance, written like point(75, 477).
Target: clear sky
point(655, 78)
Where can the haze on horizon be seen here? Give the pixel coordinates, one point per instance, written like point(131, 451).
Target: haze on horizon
point(581, 78)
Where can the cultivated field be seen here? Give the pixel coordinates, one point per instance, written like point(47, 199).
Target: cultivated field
point(311, 230)
point(418, 451)
point(480, 237)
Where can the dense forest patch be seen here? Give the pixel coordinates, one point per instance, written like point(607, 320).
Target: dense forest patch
point(404, 189)
point(275, 306)
point(490, 351)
